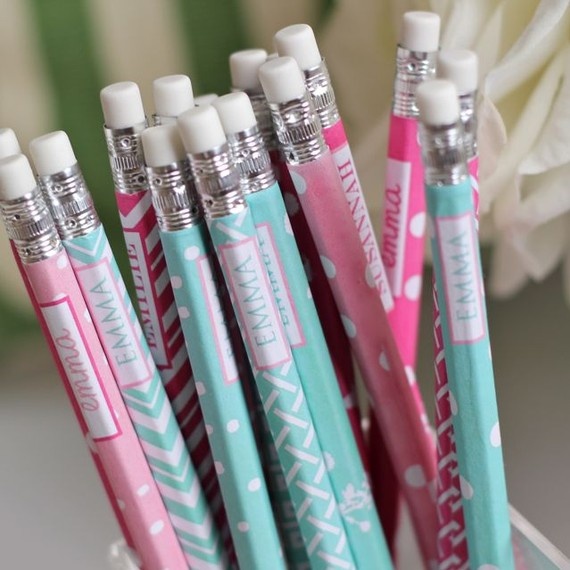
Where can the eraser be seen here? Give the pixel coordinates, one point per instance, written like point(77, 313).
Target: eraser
point(460, 66)
point(420, 31)
point(172, 95)
point(298, 42)
point(438, 102)
point(122, 105)
point(244, 68)
point(282, 80)
point(201, 129)
point(206, 99)
point(9, 144)
point(162, 146)
point(52, 153)
point(16, 177)
point(236, 112)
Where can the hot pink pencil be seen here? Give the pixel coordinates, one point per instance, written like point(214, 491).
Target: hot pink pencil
point(320, 192)
point(86, 373)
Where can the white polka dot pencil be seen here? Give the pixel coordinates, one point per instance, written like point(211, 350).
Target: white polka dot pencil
point(235, 239)
point(124, 123)
point(294, 300)
point(322, 198)
point(83, 367)
point(460, 289)
point(194, 276)
point(126, 349)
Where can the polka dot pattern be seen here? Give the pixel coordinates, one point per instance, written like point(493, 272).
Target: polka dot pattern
point(418, 225)
point(349, 327)
point(415, 476)
point(183, 312)
point(299, 182)
point(243, 526)
point(200, 388)
point(176, 282)
point(156, 528)
point(495, 436)
point(191, 253)
point(413, 288)
point(254, 485)
point(466, 488)
point(328, 266)
point(384, 362)
point(233, 426)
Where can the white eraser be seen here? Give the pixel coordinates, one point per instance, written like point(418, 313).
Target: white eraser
point(122, 105)
point(16, 177)
point(420, 31)
point(162, 146)
point(461, 67)
point(298, 42)
point(201, 129)
point(206, 99)
point(244, 68)
point(9, 144)
point(172, 95)
point(236, 112)
point(52, 153)
point(438, 102)
point(282, 80)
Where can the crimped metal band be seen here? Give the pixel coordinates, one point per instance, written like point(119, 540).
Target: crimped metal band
point(319, 85)
point(264, 122)
point(468, 114)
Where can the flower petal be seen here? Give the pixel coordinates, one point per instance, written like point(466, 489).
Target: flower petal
point(507, 275)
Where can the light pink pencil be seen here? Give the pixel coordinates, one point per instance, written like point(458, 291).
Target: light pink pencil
point(79, 355)
point(320, 192)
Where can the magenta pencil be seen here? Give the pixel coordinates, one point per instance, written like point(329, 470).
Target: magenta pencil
point(321, 195)
point(80, 357)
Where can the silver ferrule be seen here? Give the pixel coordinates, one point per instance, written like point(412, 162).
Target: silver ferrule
point(443, 154)
point(318, 82)
point(412, 68)
point(158, 120)
point(252, 160)
point(217, 181)
point(468, 115)
point(70, 202)
point(126, 158)
point(298, 130)
point(30, 227)
point(263, 115)
point(173, 196)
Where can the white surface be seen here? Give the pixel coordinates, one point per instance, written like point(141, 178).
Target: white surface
point(437, 102)
point(162, 145)
point(172, 95)
point(206, 99)
point(9, 144)
point(299, 42)
point(244, 68)
point(235, 112)
point(16, 177)
point(201, 129)
point(52, 153)
point(122, 105)
point(420, 31)
point(282, 80)
point(459, 66)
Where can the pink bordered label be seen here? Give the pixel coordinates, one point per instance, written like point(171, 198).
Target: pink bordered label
point(252, 295)
point(462, 279)
point(280, 286)
point(119, 338)
point(218, 322)
point(140, 268)
point(79, 365)
point(396, 203)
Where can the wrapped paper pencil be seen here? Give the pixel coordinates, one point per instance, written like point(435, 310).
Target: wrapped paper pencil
point(465, 331)
point(292, 427)
point(84, 369)
point(126, 350)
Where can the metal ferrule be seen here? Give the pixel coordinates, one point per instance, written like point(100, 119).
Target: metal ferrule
point(158, 120)
point(70, 202)
point(263, 115)
point(126, 158)
point(173, 196)
point(217, 182)
point(318, 82)
point(468, 115)
point(443, 154)
point(412, 68)
point(298, 129)
point(252, 160)
point(30, 227)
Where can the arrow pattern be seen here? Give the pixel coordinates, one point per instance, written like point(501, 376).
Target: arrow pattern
point(163, 332)
point(283, 399)
point(147, 403)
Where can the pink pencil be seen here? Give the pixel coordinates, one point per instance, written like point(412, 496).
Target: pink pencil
point(85, 371)
point(320, 192)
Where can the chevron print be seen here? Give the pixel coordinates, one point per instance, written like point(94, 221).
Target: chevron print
point(146, 399)
point(281, 392)
point(163, 331)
